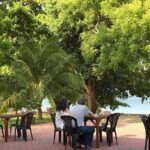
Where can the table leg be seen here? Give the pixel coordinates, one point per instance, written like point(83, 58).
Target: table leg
point(6, 128)
point(97, 134)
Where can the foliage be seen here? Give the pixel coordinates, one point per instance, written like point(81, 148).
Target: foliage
point(49, 72)
point(49, 68)
point(38, 66)
point(125, 47)
point(77, 23)
point(109, 39)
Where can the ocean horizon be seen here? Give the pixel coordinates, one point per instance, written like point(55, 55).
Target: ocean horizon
point(135, 106)
point(135, 103)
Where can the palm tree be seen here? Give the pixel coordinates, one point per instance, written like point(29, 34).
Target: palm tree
point(51, 71)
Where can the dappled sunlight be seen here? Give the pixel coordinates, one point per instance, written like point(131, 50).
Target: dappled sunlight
point(130, 136)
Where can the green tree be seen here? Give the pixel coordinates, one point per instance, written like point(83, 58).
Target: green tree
point(110, 40)
point(125, 47)
point(49, 69)
point(35, 57)
point(76, 24)
point(17, 23)
point(12, 86)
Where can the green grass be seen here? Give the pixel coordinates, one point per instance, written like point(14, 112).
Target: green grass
point(46, 119)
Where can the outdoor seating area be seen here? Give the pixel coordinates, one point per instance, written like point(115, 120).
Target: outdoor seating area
point(129, 137)
point(74, 74)
point(121, 131)
point(23, 123)
point(110, 129)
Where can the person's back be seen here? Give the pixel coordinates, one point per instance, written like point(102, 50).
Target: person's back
point(79, 111)
point(61, 109)
point(58, 120)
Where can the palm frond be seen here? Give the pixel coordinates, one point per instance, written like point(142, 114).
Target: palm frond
point(7, 103)
point(11, 100)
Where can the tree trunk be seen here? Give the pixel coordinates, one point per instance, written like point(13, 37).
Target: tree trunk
point(40, 116)
point(91, 96)
point(16, 112)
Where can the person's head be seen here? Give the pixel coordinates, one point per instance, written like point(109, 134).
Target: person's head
point(61, 105)
point(81, 100)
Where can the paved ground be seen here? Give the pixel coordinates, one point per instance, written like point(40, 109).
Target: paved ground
point(131, 136)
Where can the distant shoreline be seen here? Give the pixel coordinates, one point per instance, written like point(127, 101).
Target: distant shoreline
point(130, 114)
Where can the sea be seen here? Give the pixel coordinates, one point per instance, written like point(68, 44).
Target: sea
point(135, 106)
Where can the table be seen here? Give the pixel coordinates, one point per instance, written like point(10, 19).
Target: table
point(6, 118)
point(96, 121)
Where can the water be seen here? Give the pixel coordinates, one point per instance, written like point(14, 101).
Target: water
point(136, 107)
point(45, 104)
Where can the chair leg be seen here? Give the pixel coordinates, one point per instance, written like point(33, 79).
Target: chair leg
point(111, 137)
point(100, 133)
point(15, 134)
point(65, 140)
point(63, 137)
point(24, 132)
point(10, 131)
point(59, 136)
point(65, 146)
point(2, 132)
point(31, 134)
point(18, 132)
point(54, 136)
point(74, 141)
point(108, 138)
point(146, 142)
point(116, 137)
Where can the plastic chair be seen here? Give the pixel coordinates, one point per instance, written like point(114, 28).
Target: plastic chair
point(14, 125)
point(2, 129)
point(146, 121)
point(109, 127)
point(55, 128)
point(70, 129)
point(25, 124)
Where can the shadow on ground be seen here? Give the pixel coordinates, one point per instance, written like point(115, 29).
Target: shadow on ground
point(43, 137)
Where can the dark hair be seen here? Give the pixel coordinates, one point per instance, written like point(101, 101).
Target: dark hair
point(81, 100)
point(61, 104)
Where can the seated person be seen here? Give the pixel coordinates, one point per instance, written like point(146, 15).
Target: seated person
point(61, 109)
point(79, 111)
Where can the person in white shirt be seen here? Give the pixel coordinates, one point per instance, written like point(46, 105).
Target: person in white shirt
point(61, 109)
point(79, 111)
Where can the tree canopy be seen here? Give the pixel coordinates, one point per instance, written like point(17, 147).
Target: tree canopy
point(33, 59)
point(53, 44)
point(109, 39)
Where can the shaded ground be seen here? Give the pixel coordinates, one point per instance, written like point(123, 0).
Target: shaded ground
point(130, 131)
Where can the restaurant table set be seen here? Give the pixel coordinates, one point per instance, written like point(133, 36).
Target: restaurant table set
point(6, 118)
point(96, 120)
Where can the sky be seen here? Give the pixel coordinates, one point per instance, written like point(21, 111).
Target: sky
point(136, 106)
